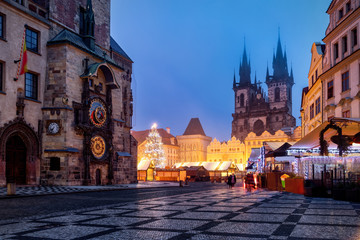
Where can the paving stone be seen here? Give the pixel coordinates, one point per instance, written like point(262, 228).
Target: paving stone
point(326, 232)
point(272, 210)
point(149, 213)
point(333, 220)
point(255, 217)
point(65, 232)
point(245, 228)
point(138, 235)
point(331, 212)
point(201, 215)
point(174, 224)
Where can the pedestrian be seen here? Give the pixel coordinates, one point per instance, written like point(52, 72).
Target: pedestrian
point(233, 180)
point(229, 181)
point(249, 182)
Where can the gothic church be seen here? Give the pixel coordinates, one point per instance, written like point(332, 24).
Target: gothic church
point(254, 110)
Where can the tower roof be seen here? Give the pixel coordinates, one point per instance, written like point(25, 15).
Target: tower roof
point(194, 128)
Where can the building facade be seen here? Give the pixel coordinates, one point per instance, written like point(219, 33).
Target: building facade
point(311, 103)
point(193, 143)
point(232, 150)
point(169, 143)
point(341, 64)
point(254, 110)
point(67, 120)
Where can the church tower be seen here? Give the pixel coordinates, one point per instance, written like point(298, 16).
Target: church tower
point(256, 112)
point(280, 91)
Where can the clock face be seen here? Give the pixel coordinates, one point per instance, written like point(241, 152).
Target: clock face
point(53, 128)
point(97, 113)
point(98, 147)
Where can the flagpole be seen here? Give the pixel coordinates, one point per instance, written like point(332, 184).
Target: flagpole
point(21, 53)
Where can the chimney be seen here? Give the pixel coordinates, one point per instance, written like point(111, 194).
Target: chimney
point(168, 130)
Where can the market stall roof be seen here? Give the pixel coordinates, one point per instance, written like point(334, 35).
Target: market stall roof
point(145, 165)
point(211, 166)
point(240, 166)
point(274, 145)
point(255, 154)
point(350, 126)
point(224, 166)
point(285, 158)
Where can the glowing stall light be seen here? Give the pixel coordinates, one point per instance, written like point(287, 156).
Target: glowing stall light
point(255, 180)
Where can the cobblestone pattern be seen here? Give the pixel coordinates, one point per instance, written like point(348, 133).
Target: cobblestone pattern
point(210, 214)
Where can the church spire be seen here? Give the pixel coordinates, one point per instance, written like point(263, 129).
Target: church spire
point(89, 26)
point(280, 62)
point(234, 82)
point(245, 69)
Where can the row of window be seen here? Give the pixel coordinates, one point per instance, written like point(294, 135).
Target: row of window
point(341, 10)
point(31, 83)
point(32, 44)
point(345, 84)
point(344, 43)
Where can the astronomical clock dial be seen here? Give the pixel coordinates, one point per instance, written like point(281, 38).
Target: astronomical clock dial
point(53, 128)
point(98, 147)
point(258, 96)
point(97, 113)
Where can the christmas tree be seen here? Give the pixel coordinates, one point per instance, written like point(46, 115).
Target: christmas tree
point(154, 150)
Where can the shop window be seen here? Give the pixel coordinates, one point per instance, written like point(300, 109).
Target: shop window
point(54, 164)
point(345, 81)
point(31, 85)
point(330, 89)
point(32, 40)
point(317, 106)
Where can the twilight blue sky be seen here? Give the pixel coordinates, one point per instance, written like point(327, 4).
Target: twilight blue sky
point(185, 53)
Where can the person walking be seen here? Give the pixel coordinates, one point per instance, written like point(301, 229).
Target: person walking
point(249, 182)
point(232, 180)
point(229, 181)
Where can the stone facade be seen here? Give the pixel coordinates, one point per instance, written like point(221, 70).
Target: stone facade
point(254, 110)
point(76, 128)
point(232, 150)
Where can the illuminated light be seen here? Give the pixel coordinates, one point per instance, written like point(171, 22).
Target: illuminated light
point(154, 126)
point(255, 180)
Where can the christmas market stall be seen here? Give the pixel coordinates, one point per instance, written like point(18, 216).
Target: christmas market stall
point(329, 157)
point(146, 170)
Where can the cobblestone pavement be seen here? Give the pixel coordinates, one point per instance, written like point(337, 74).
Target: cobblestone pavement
point(209, 214)
point(22, 191)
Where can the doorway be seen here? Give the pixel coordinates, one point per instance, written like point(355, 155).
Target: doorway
point(15, 160)
point(98, 177)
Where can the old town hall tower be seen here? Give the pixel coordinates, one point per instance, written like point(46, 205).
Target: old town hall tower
point(254, 110)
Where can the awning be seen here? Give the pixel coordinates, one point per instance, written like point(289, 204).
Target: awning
point(211, 166)
point(255, 154)
point(224, 166)
point(123, 154)
point(285, 159)
point(311, 140)
point(274, 145)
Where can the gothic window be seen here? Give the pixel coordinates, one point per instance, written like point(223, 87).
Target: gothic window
point(277, 94)
point(330, 89)
point(345, 81)
point(32, 40)
point(258, 127)
point(31, 85)
point(242, 100)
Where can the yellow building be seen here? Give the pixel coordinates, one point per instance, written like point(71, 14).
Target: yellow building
point(193, 143)
point(311, 104)
point(232, 150)
point(171, 148)
point(253, 141)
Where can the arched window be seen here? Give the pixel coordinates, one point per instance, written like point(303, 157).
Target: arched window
point(242, 100)
point(277, 94)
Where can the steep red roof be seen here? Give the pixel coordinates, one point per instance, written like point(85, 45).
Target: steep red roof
point(194, 128)
point(141, 136)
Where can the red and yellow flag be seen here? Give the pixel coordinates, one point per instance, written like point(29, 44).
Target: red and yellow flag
point(23, 68)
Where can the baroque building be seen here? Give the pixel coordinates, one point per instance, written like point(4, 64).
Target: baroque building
point(67, 120)
point(232, 150)
point(256, 111)
point(169, 141)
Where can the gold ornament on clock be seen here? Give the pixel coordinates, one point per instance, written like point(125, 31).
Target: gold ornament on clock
point(98, 147)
